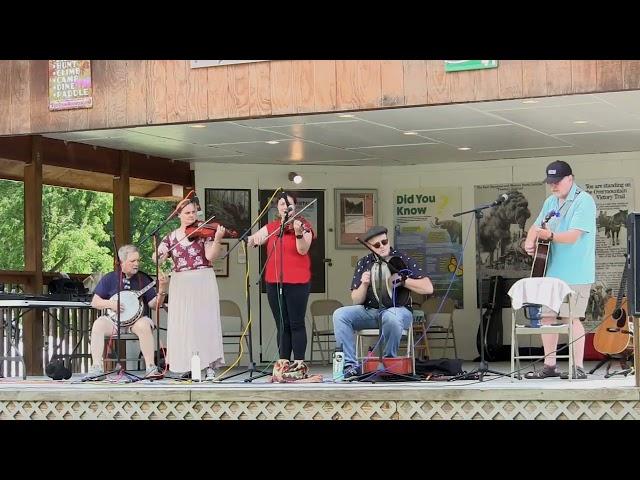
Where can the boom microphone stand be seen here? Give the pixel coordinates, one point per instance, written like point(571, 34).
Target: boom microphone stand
point(483, 368)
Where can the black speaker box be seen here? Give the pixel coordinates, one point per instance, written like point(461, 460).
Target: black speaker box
point(633, 268)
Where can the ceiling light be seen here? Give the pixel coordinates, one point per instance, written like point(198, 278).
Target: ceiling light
point(346, 115)
point(295, 177)
point(580, 121)
point(410, 133)
point(198, 125)
point(530, 101)
point(464, 148)
point(273, 142)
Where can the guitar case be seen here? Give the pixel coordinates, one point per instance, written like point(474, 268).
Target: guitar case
point(492, 319)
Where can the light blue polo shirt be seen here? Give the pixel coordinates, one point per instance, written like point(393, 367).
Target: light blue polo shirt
point(575, 263)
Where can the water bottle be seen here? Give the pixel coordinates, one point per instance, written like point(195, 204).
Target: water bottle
point(195, 368)
point(338, 364)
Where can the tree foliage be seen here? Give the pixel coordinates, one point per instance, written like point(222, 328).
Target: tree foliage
point(77, 228)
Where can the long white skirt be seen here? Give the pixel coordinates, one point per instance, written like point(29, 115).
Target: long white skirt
point(194, 320)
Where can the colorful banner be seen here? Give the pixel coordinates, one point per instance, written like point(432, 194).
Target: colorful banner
point(70, 84)
point(425, 229)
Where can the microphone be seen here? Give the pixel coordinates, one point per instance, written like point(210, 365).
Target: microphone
point(501, 199)
point(290, 208)
point(199, 212)
point(552, 213)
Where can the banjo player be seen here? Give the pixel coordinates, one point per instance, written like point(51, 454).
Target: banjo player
point(105, 298)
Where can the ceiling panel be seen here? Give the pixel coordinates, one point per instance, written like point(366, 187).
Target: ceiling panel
point(427, 118)
point(505, 137)
point(493, 130)
point(212, 133)
point(350, 134)
point(555, 120)
point(626, 141)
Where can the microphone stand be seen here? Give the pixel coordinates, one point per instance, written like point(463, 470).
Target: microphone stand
point(156, 243)
point(483, 368)
point(251, 369)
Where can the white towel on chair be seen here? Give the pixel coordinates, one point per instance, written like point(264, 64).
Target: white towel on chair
point(546, 291)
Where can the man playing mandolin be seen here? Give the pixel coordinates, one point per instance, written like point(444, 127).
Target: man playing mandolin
point(109, 285)
point(364, 312)
point(571, 231)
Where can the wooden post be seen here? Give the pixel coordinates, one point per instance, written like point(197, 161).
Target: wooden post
point(32, 320)
point(636, 349)
point(121, 205)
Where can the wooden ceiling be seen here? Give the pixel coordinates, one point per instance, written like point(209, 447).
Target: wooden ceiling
point(75, 165)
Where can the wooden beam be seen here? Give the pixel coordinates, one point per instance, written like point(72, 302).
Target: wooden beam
point(121, 204)
point(32, 320)
point(80, 156)
point(161, 191)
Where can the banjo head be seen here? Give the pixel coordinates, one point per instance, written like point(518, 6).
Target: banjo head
point(131, 311)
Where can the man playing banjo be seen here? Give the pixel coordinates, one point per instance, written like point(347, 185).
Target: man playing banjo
point(133, 310)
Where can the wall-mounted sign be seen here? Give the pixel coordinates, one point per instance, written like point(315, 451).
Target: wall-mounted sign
point(70, 84)
point(217, 63)
point(459, 65)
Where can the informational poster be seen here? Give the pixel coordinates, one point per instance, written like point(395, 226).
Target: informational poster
point(70, 84)
point(614, 200)
point(503, 227)
point(424, 228)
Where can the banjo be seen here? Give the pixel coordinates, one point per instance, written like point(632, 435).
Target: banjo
point(131, 304)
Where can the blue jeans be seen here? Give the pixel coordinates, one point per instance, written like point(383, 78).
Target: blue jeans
point(347, 320)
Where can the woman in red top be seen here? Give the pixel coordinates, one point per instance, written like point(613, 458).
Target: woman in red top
point(288, 278)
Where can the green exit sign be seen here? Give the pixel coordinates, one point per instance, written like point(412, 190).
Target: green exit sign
point(460, 65)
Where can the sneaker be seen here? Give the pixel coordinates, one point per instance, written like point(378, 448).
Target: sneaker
point(351, 371)
point(546, 372)
point(152, 373)
point(210, 374)
point(95, 374)
point(578, 374)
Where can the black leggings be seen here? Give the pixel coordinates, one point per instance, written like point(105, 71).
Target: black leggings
point(292, 332)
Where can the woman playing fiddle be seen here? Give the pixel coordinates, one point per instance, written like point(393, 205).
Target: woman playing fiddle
point(288, 266)
point(194, 305)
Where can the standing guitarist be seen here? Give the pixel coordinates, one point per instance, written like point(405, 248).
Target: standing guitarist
point(131, 279)
point(571, 232)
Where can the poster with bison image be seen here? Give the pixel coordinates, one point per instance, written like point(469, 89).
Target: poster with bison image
point(614, 201)
point(503, 228)
point(425, 229)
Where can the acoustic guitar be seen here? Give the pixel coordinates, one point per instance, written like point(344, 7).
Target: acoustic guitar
point(543, 250)
point(615, 334)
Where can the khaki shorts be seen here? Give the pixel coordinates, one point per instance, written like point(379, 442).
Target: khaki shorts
point(578, 303)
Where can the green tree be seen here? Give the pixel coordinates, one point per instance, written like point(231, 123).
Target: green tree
point(12, 225)
point(146, 215)
point(77, 228)
point(74, 238)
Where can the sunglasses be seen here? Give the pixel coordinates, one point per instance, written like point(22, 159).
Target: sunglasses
point(377, 244)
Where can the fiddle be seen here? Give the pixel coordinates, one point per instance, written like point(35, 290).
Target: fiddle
point(204, 230)
point(306, 225)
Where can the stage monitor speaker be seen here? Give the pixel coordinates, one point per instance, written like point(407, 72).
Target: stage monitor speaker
point(633, 257)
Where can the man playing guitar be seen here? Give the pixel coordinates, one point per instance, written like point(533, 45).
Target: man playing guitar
point(571, 233)
point(104, 326)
